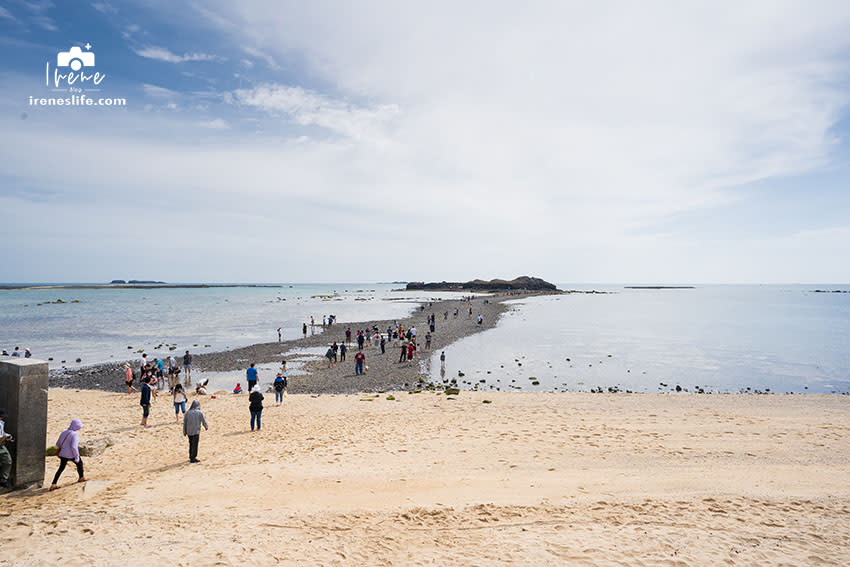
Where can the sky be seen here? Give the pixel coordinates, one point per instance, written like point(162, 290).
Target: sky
point(274, 141)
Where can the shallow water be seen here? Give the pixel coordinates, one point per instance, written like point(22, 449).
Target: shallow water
point(718, 338)
point(106, 322)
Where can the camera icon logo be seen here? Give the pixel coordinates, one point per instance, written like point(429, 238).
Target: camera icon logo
point(75, 58)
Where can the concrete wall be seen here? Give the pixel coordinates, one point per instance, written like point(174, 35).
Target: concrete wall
point(23, 392)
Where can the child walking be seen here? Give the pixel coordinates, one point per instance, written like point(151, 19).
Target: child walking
point(179, 402)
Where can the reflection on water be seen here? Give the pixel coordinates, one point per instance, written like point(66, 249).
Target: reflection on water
point(714, 338)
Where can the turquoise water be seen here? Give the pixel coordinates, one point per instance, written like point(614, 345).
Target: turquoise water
point(106, 322)
point(718, 338)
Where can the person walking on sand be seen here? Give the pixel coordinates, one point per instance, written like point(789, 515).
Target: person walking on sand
point(179, 398)
point(279, 388)
point(69, 450)
point(255, 399)
point(359, 361)
point(427, 341)
point(330, 356)
point(5, 456)
point(128, 379)
point(410, 349)
point(335, 347)
point(383, 345)
point(187, 367)
point(342, 350)
point(403, 356)
point(348, 336)
point(192, 422)
point(252, 376)
point(145, 400)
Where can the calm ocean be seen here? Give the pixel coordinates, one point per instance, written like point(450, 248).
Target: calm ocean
point(719, 338)
point(784, 338)
point(105, 322)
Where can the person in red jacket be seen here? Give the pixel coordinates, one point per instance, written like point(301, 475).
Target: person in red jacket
point(359, 361)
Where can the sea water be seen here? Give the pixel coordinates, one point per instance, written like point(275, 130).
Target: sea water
point(715, 338)
point(101, 325)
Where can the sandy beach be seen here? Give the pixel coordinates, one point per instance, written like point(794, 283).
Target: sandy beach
point(526, 479)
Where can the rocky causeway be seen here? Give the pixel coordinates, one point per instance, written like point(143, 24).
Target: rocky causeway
point(384, 373)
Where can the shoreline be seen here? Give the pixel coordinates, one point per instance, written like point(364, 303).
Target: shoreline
point(384, 372)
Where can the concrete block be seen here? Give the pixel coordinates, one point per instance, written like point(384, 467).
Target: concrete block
point(23, 392)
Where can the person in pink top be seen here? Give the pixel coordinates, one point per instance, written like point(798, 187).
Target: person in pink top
point(69, 450)
point(128, 379)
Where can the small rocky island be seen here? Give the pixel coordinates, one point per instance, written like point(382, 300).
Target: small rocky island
point(524, 283)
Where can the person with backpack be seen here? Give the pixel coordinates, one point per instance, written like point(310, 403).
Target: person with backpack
point(255, 399)
point(69, 450)
point(279, 388)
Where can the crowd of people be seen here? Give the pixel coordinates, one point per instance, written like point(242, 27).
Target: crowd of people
point(159, 375)
point(17, 353)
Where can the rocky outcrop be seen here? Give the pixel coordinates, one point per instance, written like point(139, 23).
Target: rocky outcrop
point(520, 283)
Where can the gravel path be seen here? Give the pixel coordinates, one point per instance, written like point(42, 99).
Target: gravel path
point(385, 373)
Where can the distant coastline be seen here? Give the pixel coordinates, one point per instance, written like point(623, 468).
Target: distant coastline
point(659, 287)
point(134, 286)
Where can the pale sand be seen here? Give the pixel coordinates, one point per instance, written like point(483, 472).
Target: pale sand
point(529, 479)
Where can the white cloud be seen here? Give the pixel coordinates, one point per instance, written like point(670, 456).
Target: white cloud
point(4, 13)
point(105, 8)
point(158, 92)
point(253, 51)
point(38, 10)
point(216, 124)
point(308, 108)
point(163, 54)
point(625, 115)
point(561, 140)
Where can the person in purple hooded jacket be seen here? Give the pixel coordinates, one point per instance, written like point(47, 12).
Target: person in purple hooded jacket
point(69, 450)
